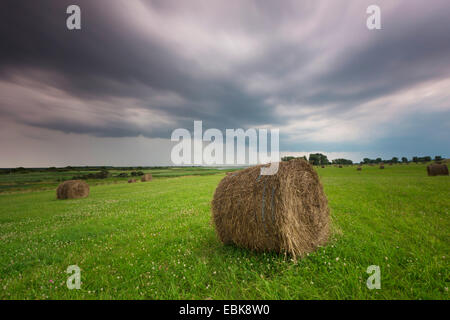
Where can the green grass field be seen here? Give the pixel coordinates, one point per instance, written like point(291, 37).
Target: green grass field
point(46, 180)
point(155, 240)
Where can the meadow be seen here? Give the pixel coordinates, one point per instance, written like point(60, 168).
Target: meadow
point(49, 180)
point(155, 240)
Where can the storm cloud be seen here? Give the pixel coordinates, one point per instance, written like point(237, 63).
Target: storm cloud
point(310, 68)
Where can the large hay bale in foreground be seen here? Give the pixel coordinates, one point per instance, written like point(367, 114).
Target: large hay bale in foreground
point(146, 177)
point(72, 189)
point(286, 212)
point(437, 169)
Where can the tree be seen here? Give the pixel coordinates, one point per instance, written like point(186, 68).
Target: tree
point(404, 160)
point(324, 159)
point(287, 158)
point(342, 161)
point(314, 159)
point(317, 159)
point(394, 160)
point(437, 158)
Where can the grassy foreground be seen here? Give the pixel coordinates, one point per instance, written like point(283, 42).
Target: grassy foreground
point(155, 241)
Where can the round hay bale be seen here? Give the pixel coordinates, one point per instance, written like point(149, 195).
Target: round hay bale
point(340, 166)
point(72, 189)
point(322, 167)
point(286, 212)
point(131, 180)
point(437, 170)
point(359, 169)
point(146, 177)
point(381, 166)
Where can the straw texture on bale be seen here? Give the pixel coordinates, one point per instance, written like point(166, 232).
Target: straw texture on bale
point(286, 212)
point(437, 169)
point(72, 189)
point(146, 177)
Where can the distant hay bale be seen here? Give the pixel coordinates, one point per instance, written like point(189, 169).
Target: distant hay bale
point(381, 166)
point(359, 169)
point(340, 166)
point(323, 167)
point(286, 212)
point(72, 189)
point(437, 169)
point(131, 180)
point(146, 177)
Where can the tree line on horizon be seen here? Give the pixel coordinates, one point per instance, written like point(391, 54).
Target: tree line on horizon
point(318, 159)
point(314, 159)
point(77, 168)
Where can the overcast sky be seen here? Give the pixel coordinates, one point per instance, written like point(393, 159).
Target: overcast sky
point(113, 92)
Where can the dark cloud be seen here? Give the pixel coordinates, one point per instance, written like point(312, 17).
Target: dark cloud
point(148, 67)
